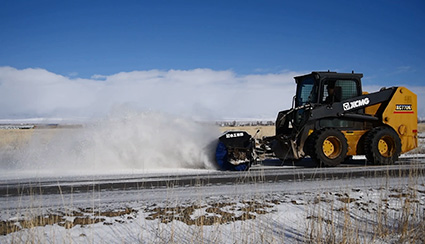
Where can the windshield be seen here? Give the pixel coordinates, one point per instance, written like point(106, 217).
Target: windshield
point(305, 91)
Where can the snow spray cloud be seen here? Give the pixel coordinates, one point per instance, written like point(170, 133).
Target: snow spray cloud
point(125, 140)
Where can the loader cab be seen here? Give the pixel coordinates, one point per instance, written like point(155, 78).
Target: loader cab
point(324, 88)
point(316, 88)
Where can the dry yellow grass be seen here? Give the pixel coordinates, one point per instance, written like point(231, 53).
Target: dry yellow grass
point(16, 138)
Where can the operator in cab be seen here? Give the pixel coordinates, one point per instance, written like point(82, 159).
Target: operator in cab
point(331, 98)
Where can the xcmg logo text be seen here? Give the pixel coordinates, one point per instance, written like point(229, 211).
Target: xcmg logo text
point(355, 104)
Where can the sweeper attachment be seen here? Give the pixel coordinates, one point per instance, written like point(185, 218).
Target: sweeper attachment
point(332, 119)
point(235, 151)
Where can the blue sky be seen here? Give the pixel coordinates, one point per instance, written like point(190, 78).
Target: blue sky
point(80, 39)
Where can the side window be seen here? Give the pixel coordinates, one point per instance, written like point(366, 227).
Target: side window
point(348, 89)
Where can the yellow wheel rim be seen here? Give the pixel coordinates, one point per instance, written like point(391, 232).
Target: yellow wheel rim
point(331, 147)
point(386, 146)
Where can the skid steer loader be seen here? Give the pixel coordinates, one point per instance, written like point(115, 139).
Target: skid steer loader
point(332, 119)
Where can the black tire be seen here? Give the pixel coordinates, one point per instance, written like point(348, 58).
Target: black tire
point(382, 146)
point(328, 147)
point(348, 159)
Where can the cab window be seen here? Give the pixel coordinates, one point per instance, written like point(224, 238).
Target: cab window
point(306, 92)
point(348, 88)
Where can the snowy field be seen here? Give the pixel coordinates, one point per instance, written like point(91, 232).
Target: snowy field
point(365, 210)
point(355, 210)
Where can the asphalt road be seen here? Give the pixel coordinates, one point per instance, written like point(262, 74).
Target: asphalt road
point(270, 171)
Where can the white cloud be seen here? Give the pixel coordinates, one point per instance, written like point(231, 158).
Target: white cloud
point(197, 93)
point(39, 92)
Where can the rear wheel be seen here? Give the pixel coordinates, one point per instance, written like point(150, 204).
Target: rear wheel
point(382, 146)
point(328, 147)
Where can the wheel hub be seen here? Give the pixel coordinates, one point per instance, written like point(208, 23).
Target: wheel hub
point(331, 147)
point(386, 146)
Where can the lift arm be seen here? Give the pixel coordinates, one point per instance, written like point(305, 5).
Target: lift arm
point(347, 107)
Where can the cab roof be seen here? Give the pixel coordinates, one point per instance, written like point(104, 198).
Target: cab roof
point(319, 75)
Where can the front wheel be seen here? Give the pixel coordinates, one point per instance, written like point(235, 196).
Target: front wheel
point(328, 147)
point(382, 146)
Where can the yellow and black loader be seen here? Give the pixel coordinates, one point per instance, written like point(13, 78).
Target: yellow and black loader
point(331, 119)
